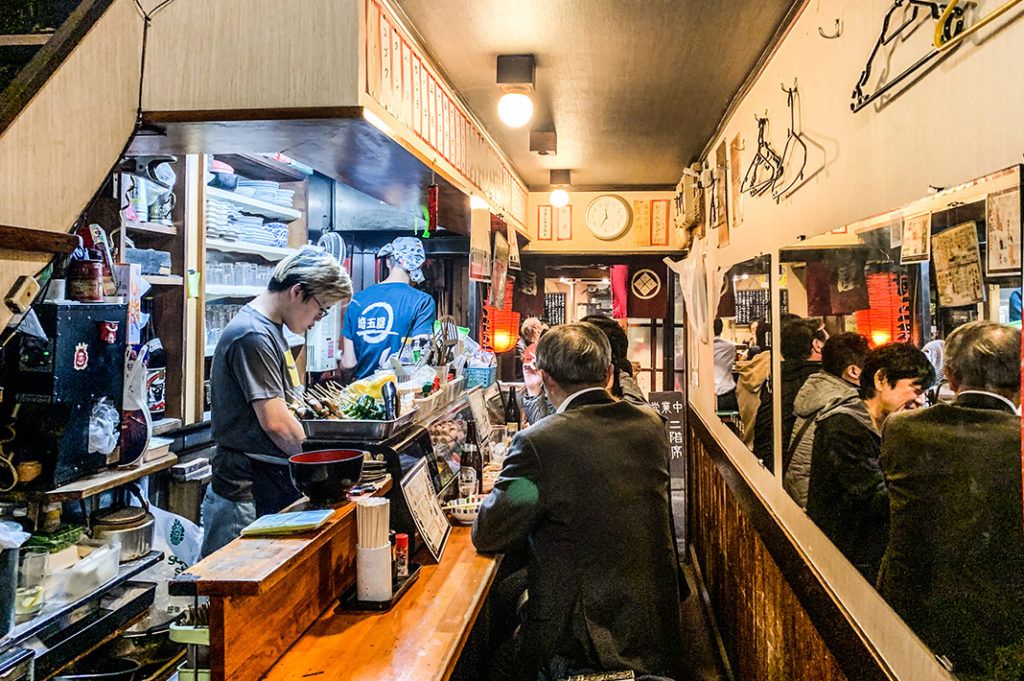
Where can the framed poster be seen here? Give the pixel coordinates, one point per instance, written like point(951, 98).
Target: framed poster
point(917, 239)
point(659, 222)
point(499, 271)
point(544, 218)
point(514, 263)
point(958, 266)
point(564, 221)
point(1002, 233)
point(426, 512)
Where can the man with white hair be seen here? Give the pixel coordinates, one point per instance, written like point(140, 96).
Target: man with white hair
point(588, 488)
point(954, 565)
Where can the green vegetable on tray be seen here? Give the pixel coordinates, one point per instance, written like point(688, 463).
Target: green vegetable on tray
point(365, 408)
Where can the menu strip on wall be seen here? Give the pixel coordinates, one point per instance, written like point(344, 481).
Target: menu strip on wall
point(402, 81)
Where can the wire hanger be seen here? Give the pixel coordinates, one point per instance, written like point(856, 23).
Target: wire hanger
point(794, 139)
point(765, 161)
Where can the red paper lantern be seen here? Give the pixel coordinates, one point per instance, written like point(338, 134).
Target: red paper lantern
point(888, 319)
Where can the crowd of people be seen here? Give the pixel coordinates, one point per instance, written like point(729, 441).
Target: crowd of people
point(925, 501)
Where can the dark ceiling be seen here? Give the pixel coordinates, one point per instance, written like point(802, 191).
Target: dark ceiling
point(634, 88)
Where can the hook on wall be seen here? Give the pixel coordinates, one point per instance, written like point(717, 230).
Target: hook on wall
point(838, 32)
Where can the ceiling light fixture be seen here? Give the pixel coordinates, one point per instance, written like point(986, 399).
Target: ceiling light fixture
point(515, 76)
point(560, 180)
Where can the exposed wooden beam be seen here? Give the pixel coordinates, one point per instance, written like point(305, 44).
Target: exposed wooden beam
point(36, 240)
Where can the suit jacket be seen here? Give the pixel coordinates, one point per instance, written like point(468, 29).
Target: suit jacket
point(588, 489)
point(954, 566)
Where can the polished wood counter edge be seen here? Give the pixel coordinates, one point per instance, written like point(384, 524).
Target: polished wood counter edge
point(250, 565)
point(420, 639)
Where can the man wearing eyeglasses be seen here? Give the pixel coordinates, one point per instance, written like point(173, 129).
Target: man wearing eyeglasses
point(250, 380)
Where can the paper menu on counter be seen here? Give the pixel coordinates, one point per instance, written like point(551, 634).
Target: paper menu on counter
point(430, 520)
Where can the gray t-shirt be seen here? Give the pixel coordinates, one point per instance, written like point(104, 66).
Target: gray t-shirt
point(251, 362)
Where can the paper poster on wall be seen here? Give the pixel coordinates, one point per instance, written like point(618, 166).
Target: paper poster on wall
point(958, 266)
point(564, 219)
point(642, 223)
point(721, 194)
point(659, 222)
point(396, 71)
point(544, 218)
point(513, 250)
point(735, 179)
point(385, 62)
point(895, 230)
point(917, 233)
point(480, 251)
point(1003, 233)
point(406, 82)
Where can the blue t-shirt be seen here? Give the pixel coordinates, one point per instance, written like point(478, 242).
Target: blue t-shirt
point(380, 317)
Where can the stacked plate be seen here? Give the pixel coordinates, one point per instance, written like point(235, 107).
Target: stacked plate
point(261, 190)
point(218, 220)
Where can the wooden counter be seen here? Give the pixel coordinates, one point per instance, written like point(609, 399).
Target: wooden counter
point(420, 639)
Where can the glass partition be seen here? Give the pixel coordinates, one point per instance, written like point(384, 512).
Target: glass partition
point(915, 474)
point(742, 352)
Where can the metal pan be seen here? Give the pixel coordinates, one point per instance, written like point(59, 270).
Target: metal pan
point(356, 429)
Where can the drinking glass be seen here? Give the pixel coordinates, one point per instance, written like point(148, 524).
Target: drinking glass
point(31, 593)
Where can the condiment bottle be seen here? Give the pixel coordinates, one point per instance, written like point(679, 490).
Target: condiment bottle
point(402, 555)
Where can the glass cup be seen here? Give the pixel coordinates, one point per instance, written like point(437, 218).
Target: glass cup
point(31, 594)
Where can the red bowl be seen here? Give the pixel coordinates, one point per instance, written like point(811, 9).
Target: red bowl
point(326, 475)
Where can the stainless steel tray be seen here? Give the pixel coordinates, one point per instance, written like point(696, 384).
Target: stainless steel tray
point(355, 429)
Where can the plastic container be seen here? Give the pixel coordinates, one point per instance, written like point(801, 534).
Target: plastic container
point(97, 567)
point(482, 376)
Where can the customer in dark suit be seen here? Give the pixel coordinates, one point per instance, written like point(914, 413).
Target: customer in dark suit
point(954, 564)
point(588, 488)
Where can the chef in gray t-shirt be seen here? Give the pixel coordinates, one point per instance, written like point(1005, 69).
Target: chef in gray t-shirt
point(251, 376)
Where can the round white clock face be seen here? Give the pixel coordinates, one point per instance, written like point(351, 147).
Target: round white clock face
point(608, 216)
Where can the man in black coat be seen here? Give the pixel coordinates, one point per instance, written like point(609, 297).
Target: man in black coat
point(587, 487)
point(846, 494)
point(802, 341)
point(954, 565)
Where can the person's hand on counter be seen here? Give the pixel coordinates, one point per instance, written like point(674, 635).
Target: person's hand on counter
point(281, 427)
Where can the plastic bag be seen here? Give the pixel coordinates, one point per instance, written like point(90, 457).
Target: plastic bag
point(104, 422)
point(11, 536)
point(180, 540)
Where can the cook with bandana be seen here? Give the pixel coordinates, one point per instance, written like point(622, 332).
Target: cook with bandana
point(381, 318)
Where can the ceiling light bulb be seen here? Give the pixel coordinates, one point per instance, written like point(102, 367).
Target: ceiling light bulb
point(515, 109)
point(475, 202)
point(559, 198)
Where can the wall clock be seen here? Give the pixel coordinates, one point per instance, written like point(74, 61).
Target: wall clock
point(608, 217)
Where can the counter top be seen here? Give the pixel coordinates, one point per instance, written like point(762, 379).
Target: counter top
point(420, 639)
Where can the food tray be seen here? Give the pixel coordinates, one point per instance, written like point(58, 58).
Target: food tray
point(355, 429)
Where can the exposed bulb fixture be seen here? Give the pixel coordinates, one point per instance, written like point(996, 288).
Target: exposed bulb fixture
point(559, 180)
point(515, 76)
point(515, 109)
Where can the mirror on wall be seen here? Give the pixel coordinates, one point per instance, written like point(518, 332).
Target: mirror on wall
point(742, 353)
point(905, 449)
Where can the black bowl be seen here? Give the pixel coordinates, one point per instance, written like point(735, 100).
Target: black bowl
point(326, 475)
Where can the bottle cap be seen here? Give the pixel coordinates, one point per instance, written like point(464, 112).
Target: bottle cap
point(401, 541)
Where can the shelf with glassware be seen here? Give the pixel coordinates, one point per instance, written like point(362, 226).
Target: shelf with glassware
point(254, 215)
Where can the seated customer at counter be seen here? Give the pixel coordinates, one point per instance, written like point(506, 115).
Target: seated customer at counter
point(380, 318)
point(250, 378)
point(954, 565)
point(588, 488)
point(846, 494)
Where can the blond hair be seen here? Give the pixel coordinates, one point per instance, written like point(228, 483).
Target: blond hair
point(317, 272)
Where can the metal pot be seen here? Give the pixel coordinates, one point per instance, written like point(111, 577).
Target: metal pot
point(131, 526)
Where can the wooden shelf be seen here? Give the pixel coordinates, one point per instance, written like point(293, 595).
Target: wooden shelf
point(164, 279)
point(256, 167)
point(229, 291)
point(110, 478)
point(254, 206)
point(268, 252)
point(152, 228)
point(161, 426)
